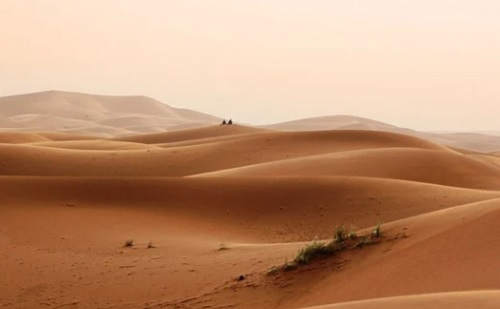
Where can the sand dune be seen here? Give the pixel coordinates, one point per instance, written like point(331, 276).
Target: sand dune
point(455, 238)
point(474, 141)
point(59, 136)
point(483, 142)
point(92, 114)
point(94, 145)
point(191, 134)
point(430, 166)
point(252, 207)
point(338, 122)
point(194, 159)
point(69, 203)
point(187, 219)
point(459, 300)
point(20, 138)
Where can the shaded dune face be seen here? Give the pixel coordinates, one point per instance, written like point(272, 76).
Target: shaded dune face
point(205, 206)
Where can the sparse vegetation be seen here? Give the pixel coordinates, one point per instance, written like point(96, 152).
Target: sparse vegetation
point(129, 243)
point(353, 235)
point(275, 269)
point(340, 234)
point(376, 230)
point(364, 241)
point(151, 245)
point(312, 251)
point(223, 246)
point(343, 239)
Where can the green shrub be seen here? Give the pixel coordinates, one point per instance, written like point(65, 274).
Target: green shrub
point(343, 239)
point(312, 251)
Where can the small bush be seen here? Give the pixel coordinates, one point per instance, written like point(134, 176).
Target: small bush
point(312, 251)
point(340, 234)
point(129, 243)
point(223, 246)
point(151, 245)
point(289, 266)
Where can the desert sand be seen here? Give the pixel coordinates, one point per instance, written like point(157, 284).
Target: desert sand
point(212, 209)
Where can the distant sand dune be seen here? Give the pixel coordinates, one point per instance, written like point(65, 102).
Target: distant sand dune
point(474, 141)
point(191, 134)
point(93, 114)
point(21, 138)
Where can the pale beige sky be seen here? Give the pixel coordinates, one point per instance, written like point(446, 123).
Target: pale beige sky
point(425, 64)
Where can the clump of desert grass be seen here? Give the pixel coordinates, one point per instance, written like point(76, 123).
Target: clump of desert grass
point(129, 243)
point(223, 246)
point(343, 239)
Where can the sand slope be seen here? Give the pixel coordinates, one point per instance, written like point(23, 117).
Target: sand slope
point(430, 166)
point(461, 242)
point(460, 300)
point(253, 207)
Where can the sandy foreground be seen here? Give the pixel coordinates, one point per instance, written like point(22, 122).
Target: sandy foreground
point(221, 202)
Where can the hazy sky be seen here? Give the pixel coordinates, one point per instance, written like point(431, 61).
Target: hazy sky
point(425, 64)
